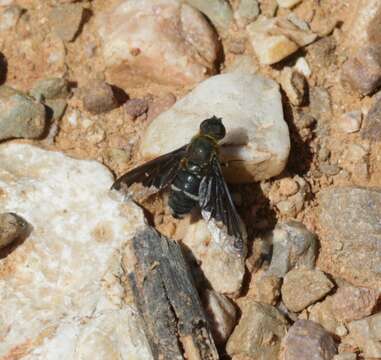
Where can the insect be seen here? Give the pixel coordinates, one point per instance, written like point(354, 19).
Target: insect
point(194, 176)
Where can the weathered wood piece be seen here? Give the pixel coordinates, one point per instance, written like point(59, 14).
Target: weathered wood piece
point(166, 297)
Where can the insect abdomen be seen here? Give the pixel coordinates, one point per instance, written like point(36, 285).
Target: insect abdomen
point(184, 193)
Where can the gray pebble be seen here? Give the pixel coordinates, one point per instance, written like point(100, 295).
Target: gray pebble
point(258, 333)
point(307, 340)
point(303, 287)
point(98, 97)
point(20, 115)
point(51, 88)
point(363, 71)
point(321, 110)
point(136, 107)
point(12, 227)
point(246, 12)
point(293, 245)
point(372, 127)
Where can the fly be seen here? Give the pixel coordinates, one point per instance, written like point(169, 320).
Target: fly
point(194, 177)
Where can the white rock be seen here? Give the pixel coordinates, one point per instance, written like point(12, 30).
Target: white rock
point(276, 38)
point(288, 3)
point(302, 66)
point(223, 270)
point(257, 141)
point(61, 293)
point(162, 40)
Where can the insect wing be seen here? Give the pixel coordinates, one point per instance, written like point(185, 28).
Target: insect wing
point(218, 209)
point(157, 173)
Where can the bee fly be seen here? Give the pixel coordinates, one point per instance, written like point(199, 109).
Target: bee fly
point(194, 176)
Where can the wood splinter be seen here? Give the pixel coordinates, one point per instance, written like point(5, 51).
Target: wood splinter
point(167, 299)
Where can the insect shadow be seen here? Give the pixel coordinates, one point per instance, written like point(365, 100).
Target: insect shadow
point(3, 68)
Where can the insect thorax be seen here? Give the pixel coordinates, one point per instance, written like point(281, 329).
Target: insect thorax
point(201, 150)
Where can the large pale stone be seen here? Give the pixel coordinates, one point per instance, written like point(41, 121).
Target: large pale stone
point(62, 293)
point(163, 40)
point(257, 143)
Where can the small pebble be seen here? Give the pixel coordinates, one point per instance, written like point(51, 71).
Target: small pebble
point(271, 40)
point(246, 12)
point(237, 46)
point(302, 66)
point(136, 107)
point(350, 122)
point(322, 53)
point(20, 115)
point(259, 332)
point(50, 88)
point(221, 314)
point(269, 7)
point(353, 303)
point(288, 187)
point(307, 340)
point(118, 156)
point(292, 206)
point(363, 71)
point(98, 97)
point(303, 287)
point(12, 227)
point(293, 246)
point(66, 20)
point(266, 289)
point(372, 124)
